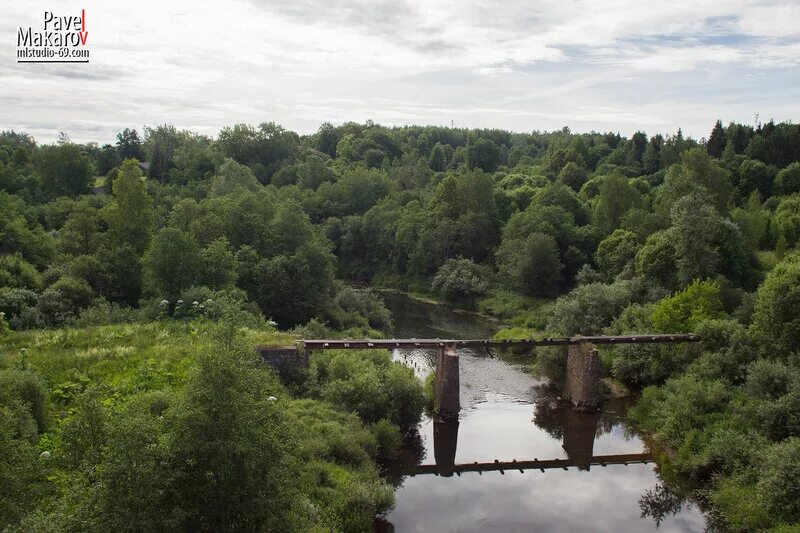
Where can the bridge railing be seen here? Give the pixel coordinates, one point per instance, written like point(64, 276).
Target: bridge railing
point(390, 344)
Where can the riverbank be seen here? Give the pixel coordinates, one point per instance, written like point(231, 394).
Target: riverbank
point(119, 419)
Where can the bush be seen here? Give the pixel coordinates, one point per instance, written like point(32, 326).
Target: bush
point(778, 484)
point(780, 418)
point(685, 310)
point(104, 312)
point(588, 308)
point(25, 389)
point(16, 272)
point(22, 472)
point(769, 380)
point(776, 319)
point(366, 304)
point(21, 308)
point(461, 281)
point(531, 265)
point(368, 384)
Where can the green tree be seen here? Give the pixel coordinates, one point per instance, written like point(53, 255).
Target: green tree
point(483, 154)
point(233, 177)
point(776, 319)
point(65, 169)
point(788, 180)
point(616, 198)
point(616, 251)
point(461, 281)
point(684, 310)
point(171, 263)
point(129, 145)
point(218, 265)
point(716, 141)
point(531, 264)
point(130, 216)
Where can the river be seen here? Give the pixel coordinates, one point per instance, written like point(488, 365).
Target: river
point(509, 415)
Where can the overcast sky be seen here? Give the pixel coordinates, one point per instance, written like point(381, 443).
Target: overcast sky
point(520, 65)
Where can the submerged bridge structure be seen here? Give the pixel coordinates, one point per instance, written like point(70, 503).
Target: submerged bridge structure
point(584, 369)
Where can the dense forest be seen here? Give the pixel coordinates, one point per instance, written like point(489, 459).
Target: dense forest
point(159, 257)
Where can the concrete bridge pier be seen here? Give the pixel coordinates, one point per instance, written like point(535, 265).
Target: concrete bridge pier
point(446, 386)
point(582, 383)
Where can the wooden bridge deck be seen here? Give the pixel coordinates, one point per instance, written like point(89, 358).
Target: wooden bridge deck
point(390, 344)
point(536, 464)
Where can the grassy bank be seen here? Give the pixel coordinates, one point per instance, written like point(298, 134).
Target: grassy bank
point(163, 425)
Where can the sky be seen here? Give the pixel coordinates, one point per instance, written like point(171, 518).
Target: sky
point(522, 65)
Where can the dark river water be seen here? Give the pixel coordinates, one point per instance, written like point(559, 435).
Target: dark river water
point(508, 415)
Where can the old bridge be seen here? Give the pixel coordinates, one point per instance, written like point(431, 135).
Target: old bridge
point(581, 387)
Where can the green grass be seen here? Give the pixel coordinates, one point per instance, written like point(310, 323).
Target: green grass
point(514, 308)
point(128, 358)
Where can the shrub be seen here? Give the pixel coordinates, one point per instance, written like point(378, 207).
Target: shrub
point(104, 312)
point(616, 251)
point(769, 379)
point(780, 418)
point(25, 389)
point(776, 319)
point(683, 311)
point(368, 384)
point(778, 484)
point(531, 265)
point(22, 472)
point(461, 281)
point(367, 304)
point(588, 308)
point(16, 272)
point(21, 308)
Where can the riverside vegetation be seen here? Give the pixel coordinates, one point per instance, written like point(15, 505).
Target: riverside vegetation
point(136, 277)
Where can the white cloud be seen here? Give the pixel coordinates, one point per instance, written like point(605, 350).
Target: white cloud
point(604, 65)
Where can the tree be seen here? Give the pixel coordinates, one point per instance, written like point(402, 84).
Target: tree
point(786, 221)
point(159, 146)
point(130, 217)
point(326, 139)
point(716, 141)
point(754, 176)
point(776, 319)
point(65, 169)
point(171, 263)
point(788, 180)
point(461, 281)
point(656, 259)
point(106, 159)
point(233, 177)
point(698, 173)
point(531, 264)
point(129, 145)
point(695, 229)
point(683, 311)
point(218, 265)
point(615, 198)
point(616, 251)
point(483, 154)
point(437, 160)
point(572, 175)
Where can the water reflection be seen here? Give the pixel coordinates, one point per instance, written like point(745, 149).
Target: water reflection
point(511, 420)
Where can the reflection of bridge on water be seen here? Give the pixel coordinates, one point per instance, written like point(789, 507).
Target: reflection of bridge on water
point(578, 435)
